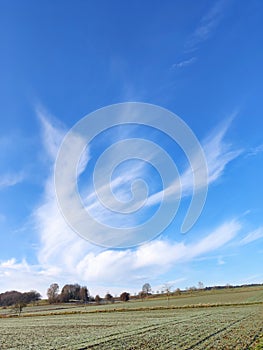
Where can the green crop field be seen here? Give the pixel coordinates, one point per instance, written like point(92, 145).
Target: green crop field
point(189, 322)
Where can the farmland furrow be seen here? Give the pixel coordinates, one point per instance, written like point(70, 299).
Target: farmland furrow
point(125, 336)
point(238, 335)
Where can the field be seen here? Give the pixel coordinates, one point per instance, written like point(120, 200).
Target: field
point(206, 320)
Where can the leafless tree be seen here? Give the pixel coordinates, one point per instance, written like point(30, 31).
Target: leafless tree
point(52, 293)
point(178, 291)
point(146, 288)
point(142, 295)
point(167, 287)
point(201, 285)
point(84, 294)
point(98, 299)
point(18, 307)
point(109, 298)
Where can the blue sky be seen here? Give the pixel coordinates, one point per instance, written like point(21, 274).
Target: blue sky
point(61, 60)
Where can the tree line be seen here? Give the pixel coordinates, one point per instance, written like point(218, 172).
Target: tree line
point(75, 292)
point(70, 292)
point(13, 297)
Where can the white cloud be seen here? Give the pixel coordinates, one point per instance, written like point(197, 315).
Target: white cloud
point(256, 278)
point(98, 267)
point(255, 151)
point(252, 236)
point(9, 180)
point(184, 63)
point(161, 252)
point(23, 276)
point(207, 25)
point(220, 261)
point(55, 234)
point(64, 257)
point(61, 247)
point(218, 154)
point(52, 132)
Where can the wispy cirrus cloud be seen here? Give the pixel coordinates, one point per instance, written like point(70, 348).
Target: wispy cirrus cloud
point(207, 25)
point(252, 236)
point(53, 132)
point(11, 179)
point(63, 256)
point(90, 261)
point(184, 63)
point(218, 151)
point(219, 154)
point(203, 31)
point(255, 151)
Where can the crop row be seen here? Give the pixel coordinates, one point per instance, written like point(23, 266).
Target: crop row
point(214, 331)
point(216, 328)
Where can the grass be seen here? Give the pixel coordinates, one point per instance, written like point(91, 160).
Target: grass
point(151, 329)
point(259, 343)
point(190, 322)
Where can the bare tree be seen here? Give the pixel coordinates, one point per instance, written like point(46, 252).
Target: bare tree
point(70, 292)
point(109, 298)
point(142, 295)
point(178, 291)
point(52, 293)
point(29, 297)
point(167, 287)
point(18, 307)
point(192, 289)
point(146, 288)
point(84, 294)
point(201, 285)
point(98, 299)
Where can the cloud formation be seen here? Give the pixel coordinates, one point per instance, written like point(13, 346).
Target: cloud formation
point(207, 25)
point(252, 236)
point(9, 180)
point(218, 155)
point(255, 151)
point(184, 63)
point(61, 247)
point(65, 257)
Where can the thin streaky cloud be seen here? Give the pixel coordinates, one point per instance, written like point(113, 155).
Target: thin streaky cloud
point(9, 180)
point(184, 63)
point(217, 151)
point(53, 131)
point(218, 154)
point(252, 236)
point(252, 279)
point(255, 151)
point(206, 26)
point(59, 246)
point(220, 261)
